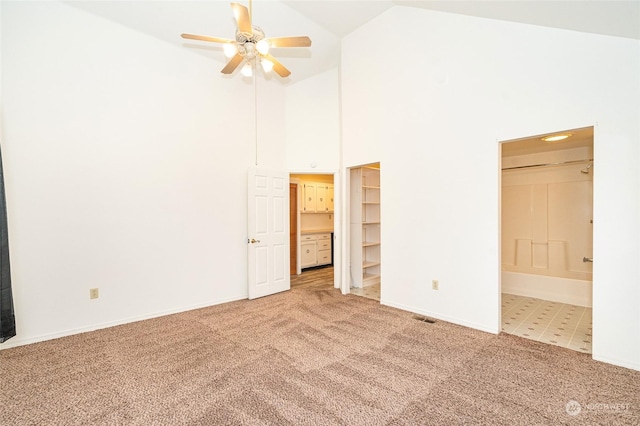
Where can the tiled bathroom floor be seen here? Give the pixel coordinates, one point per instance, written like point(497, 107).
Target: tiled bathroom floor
point(554, 323)
point(370, 292)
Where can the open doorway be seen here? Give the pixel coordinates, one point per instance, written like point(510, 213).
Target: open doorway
point(312, 225)
point(547, 238)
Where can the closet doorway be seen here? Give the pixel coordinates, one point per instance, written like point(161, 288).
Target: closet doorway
point(365, 231)
point(547, 238)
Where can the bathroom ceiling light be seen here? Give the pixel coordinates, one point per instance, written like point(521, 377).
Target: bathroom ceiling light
point(556, 138)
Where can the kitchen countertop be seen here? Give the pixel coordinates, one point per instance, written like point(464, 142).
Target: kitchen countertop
point(315, 231)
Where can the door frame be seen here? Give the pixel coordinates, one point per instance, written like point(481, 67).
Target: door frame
point(593, 200)
point(296, 181)
point(337, 222)
point(346, 272)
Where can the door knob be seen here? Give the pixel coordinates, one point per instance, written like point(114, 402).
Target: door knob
point(587, 259)
point(253, 241)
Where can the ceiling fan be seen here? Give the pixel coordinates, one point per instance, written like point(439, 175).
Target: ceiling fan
point(251, 46)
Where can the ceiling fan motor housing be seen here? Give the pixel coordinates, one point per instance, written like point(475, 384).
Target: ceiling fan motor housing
point(247, 42)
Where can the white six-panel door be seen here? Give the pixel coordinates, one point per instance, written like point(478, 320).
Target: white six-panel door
point(268, 232)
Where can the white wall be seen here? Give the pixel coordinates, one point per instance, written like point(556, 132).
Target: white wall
point(313, 142)
point(125, 168)
point(433, 111)
point(312, 124)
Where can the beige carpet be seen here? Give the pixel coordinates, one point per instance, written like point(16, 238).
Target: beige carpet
point(309, 356)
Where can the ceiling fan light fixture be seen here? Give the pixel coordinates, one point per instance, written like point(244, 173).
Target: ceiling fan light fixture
point(250, 45)
point(267, 65)
point(230, 50)
point(247, 70)
point(263, 47)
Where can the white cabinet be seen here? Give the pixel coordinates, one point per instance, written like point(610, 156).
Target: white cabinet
point(365, 225)
point(321, 198)
point(324, 249)
point(330, 198)
point(309, 197)
point(318, 198)
point(316, 250)
point(308, 254)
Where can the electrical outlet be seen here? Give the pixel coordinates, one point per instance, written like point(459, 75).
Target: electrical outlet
point(434, 284)
point(93, 293)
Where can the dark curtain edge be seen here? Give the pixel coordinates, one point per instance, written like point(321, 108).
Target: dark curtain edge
point(7, 315)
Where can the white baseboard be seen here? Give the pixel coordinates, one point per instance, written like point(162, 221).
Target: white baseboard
point(620, 363)
point(17, 341)
point(435, 315)
point(563, 290)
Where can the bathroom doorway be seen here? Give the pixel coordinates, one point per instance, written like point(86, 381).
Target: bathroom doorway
point(547, 237)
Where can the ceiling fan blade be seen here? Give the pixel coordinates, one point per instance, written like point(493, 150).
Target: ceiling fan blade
point(278, 67)
point(241, 13)
point(207, 38)
point(302, 41)
point(232, 64)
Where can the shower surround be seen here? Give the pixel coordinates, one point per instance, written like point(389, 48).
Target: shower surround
point(547, 228)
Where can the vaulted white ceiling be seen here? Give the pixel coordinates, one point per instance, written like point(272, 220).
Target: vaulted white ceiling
point(327, 21)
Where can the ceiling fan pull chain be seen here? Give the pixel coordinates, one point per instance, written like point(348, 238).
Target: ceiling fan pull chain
point(255, 112)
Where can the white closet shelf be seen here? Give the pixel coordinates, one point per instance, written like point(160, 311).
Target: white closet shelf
point(369, 279)
point(370, 243)
point(365, 226)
